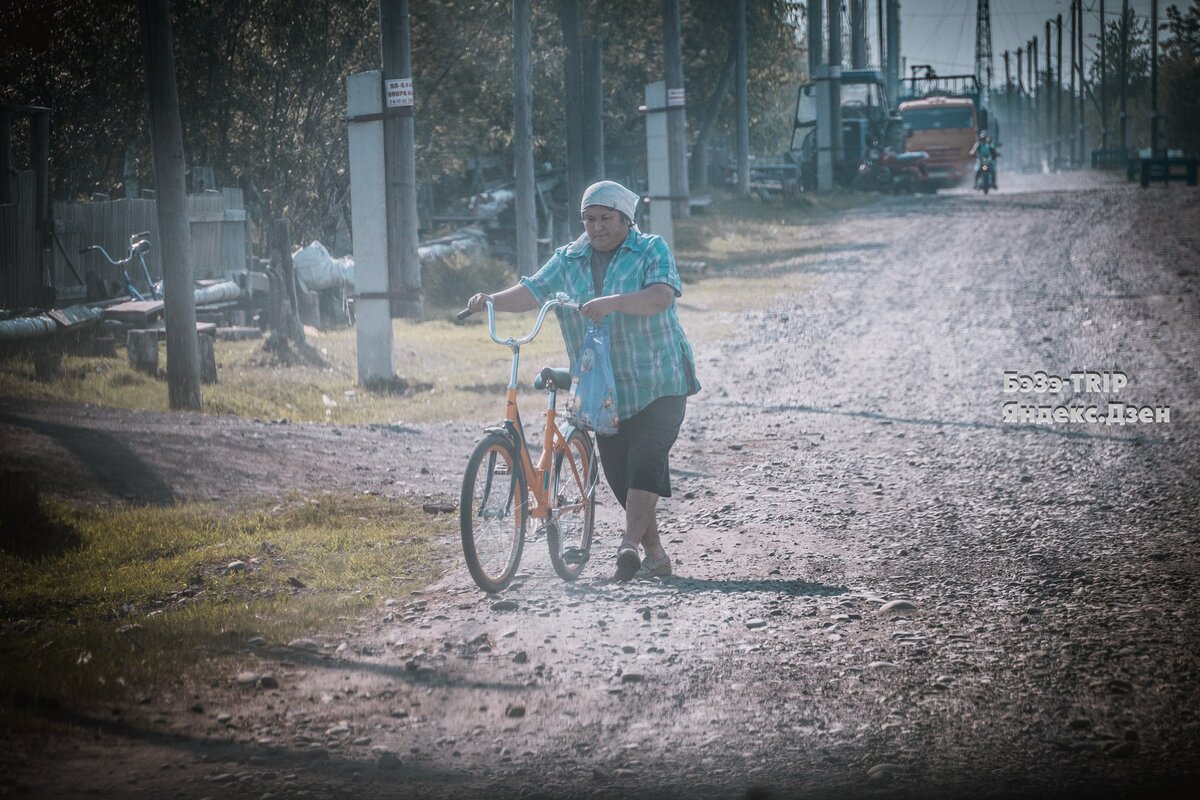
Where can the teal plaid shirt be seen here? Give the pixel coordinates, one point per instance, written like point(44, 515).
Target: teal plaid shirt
point(651, 356)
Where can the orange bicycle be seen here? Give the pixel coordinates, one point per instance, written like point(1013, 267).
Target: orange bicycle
point(503, 487)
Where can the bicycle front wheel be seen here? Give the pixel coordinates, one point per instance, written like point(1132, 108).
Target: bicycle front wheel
point(573, 488)
point(493, 513)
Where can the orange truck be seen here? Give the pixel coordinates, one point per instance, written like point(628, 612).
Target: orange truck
point(942, 116)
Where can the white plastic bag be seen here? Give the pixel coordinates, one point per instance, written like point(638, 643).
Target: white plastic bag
point(319, 270)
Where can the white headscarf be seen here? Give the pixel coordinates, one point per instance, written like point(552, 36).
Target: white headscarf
point(611, 195)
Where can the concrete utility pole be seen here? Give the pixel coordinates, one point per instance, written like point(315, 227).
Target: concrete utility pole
point(368, 216)
point(742, 100)
point(658, 162)
point(527, 255)
point(568, 16)
point(399, 157)
point(676, 102)
point(858, 35)
point(166, 133)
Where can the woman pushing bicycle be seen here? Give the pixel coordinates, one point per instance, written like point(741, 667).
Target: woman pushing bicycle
point(619, 274)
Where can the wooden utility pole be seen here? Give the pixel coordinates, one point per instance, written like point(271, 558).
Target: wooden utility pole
point(816, 40)
point(1049, 99)
point(1124, 76)
point(166, 133)
point(568, 17)
point(1020, 105)
point(1058, 98)
point(834, 10)
point(1073, 130)
point(1082, 86)
point(858, 35)
point(1103, 86)
point(893, 50)
point(593, 109)
point(400, 165)
point(527, 255)
point(882, 33)
point(743, 113)
point(676, 102)
point(1154, 78)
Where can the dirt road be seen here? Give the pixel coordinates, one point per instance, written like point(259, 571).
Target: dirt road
point(884, 588)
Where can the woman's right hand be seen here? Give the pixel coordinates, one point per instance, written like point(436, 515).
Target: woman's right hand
point(478, 302)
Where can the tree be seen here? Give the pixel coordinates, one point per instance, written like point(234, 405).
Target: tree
point(1179, 78)
point(262, 90)
point(1137, 70)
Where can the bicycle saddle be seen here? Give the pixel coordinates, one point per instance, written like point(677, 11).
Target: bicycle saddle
point(561, 378)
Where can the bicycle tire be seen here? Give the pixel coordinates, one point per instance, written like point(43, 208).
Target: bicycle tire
point(570, 533)
point(493, 512)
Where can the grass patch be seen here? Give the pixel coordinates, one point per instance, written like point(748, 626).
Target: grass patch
point(436, 357)
point(151, 592)
point(734, 233)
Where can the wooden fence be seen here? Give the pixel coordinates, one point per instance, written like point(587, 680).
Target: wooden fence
point(219, 227)
point(20, 281)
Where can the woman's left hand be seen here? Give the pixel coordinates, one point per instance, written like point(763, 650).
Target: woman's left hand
point(601, 307)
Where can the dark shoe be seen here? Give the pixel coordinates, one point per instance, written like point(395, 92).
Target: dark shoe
point(654, 568)
point(627, 564)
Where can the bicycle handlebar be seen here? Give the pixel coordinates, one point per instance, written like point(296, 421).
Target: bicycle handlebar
point(560, 299)
point(107, 257)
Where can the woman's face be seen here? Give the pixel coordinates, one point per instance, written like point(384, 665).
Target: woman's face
point(606, 227)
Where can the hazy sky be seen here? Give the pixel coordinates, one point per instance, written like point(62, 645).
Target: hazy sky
point(942, 32)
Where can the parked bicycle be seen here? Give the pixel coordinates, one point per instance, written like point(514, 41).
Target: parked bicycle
point(139, 245)
point(503, 487)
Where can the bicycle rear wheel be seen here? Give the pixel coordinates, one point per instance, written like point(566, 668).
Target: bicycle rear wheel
point(493, 513)
point(573, 492)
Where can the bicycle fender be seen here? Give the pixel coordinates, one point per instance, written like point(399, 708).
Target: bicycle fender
point(505, 429)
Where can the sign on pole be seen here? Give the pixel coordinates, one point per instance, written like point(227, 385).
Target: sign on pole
point(399, 92)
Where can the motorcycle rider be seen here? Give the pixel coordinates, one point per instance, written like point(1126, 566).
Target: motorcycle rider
point(984, 150)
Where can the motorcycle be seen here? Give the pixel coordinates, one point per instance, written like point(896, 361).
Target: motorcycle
point(885, 170)
point(985, 176)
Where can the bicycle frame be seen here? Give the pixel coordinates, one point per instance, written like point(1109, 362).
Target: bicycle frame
point(553, 440)
point(138, 244)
